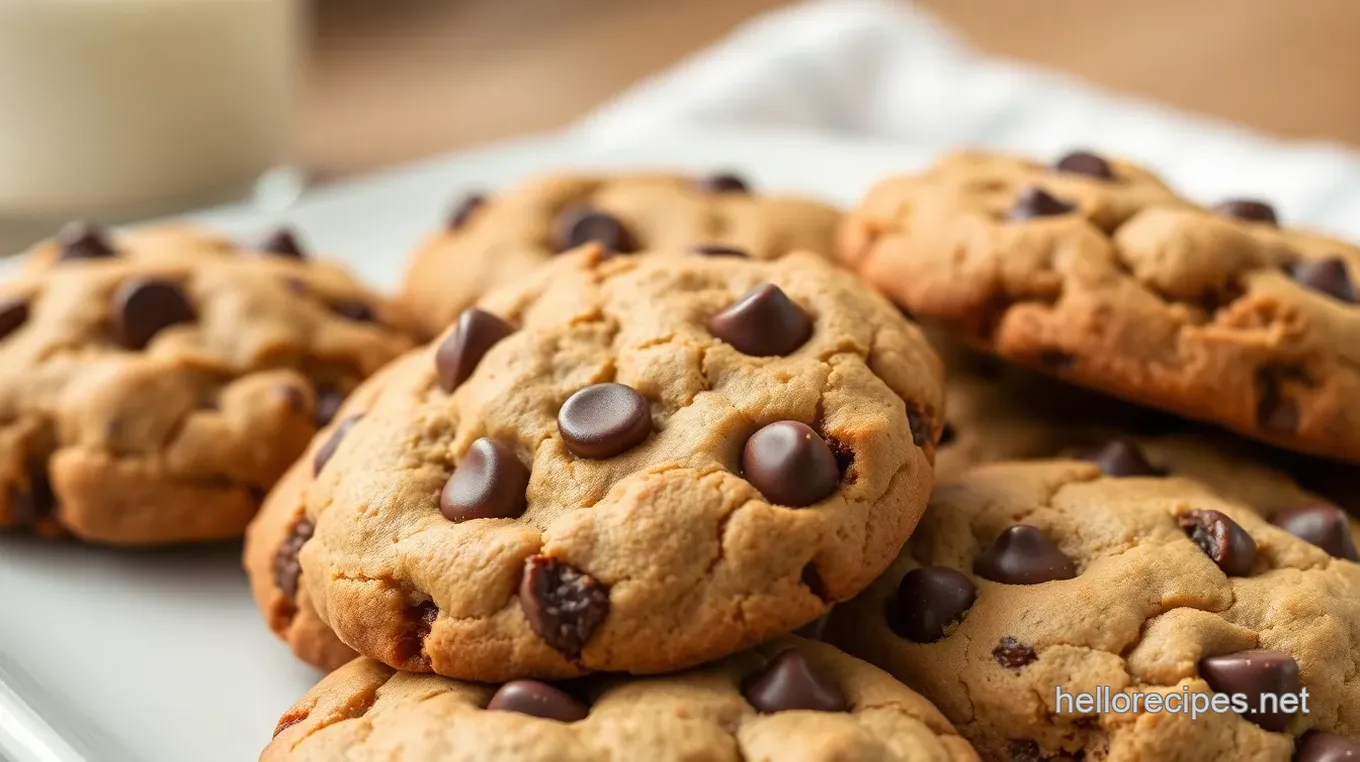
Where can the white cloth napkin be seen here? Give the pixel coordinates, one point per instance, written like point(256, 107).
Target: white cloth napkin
point(883, 69)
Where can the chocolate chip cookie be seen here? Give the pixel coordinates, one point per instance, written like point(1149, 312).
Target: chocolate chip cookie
point(792, 700)
point(489, 240)
point(623, 464)
point(156, 383)
point(1092, 270)
point(1160, 567)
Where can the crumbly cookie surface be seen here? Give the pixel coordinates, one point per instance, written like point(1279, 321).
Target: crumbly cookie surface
point(1094, 271)
point(1025, 577)
point(158, 382)
point(791, 700)
point(489, 241)
point(624, 464)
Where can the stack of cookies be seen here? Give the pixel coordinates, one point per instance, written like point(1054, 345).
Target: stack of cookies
point(678, 474)
point(666, 423)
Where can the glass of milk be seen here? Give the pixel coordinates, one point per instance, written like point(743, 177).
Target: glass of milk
point(117, 109)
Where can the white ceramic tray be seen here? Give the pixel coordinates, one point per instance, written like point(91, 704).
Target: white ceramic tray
point(115, 656)
point(109, 656)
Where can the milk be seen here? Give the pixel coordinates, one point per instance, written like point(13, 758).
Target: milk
point(116, 108)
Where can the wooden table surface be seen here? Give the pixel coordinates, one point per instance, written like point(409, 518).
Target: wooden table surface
point(398, 80)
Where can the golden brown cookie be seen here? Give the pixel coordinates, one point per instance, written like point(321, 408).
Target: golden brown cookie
point(1094, 271)
point(1175, 570)
point(623, 463)
point(490, 241)
point(791, 700)
point(157, 383)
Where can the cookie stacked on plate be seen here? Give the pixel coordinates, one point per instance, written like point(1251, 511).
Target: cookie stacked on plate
point(1079, 549)
point(158, 382)
point(582, 522)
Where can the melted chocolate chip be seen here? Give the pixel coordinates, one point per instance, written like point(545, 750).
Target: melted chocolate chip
point(476, 333)
point(579, 225)
point(1022, 555)
point(327, 449)
point(717, 250)
point(13, 314)
point(537, 699)
point(1325, 526)
point(1012, 654)
point(1085, 163)
point(1328, 276)
point(488, 484)
point(948, 434)
point(1254, 673)
point(82, 240)
point(1248, 210)
point(1122, 457)
point(464, 209)
point(564, 606)
point(1275, 412)
point(920, 426)
point(1317, 746)
point(929, 601)
point(604, 420)
point(1222, 539)
point(354, 309)
point(142, 307)
point(1035, 202)
point(789, 682)
point(790, 465)
point(722, 182)
point(328, 401)
point(286, 566)
point(764, 322)
point(283, 242)
point(410, 644)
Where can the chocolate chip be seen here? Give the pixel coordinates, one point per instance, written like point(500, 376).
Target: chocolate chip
point(476, 333)
point(13, 314)
point(537, 699)
point(82, 240)
point(1012, 654)
point(1222, 539)
point(142, 307)
point(286, 566)
point(717, 250)
point(488, 484)
point(1329, 276)
point(603, 420)
point(1085, 163)
point(1274, 411)
point(1325, 526)
point(789, 683)
point(283, 242)
point(1029, 751)
point(920, 426)
point(28, 505)
point(929, 601)
point(1122, 457)
point(579, 225)
point(327, 449)
point(1254, 673)
point(1022, 555)
point(722, 182)
point(410, 643)
point(328, 401)
point(564, 606)
point(354, 309)
point(1035, 202)
point(790, 465)
point(764, 322)
point(1317, 746)
point(948, 433)
point(464, 209)
point(1248, 210)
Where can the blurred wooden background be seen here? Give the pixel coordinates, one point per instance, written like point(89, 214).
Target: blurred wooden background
point(401, 79)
